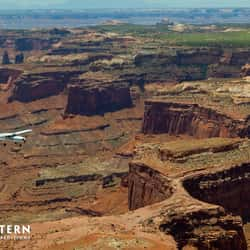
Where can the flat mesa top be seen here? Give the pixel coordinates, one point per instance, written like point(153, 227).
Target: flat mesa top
point(189, 154)
point(227, 96)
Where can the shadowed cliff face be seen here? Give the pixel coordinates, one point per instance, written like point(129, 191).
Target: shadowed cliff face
point(200, 205)
point(8, 75)
point(192, 64)
point(229, 188)
point(146, 186)
point(28, 43)
point(205, 230)
point(189, 119)
point(94, 100)
point(190, 222)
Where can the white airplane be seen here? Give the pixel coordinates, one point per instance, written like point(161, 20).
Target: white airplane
point(15, 136)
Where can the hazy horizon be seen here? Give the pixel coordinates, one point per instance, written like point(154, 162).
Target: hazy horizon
point(116, 4)
point(113, 8)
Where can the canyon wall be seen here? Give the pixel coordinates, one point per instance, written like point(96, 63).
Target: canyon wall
point(34, 86)
point(30, 43)
point(98, 98)
point(9, 75)
point(201, 207)
point(229, 189)
point(205, 229)
point(175, 65)
point(191, 223)
point(146, 186)
point(245, 71)
point(191, 64)
point(191, 119)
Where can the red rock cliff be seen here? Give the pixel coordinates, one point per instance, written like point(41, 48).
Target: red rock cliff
point(98, 99)
point(33, 86)
point(229, 189)
point(191, 119)
point(195, 208)
point(8, 75)
point(146, 186)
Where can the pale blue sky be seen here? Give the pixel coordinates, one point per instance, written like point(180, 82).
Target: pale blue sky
point(82, 4)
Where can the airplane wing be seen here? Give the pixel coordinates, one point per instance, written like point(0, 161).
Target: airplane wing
point(15, 133)
point(6, 134)
point(22, 132)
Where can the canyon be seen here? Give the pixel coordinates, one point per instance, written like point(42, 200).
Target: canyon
point(136, 144)
point(186, 206)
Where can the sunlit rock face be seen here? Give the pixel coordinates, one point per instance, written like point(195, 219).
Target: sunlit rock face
point(33, 86)
point(190, 119)
point(193, 202)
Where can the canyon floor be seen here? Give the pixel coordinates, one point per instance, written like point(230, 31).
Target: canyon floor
point(138, 141)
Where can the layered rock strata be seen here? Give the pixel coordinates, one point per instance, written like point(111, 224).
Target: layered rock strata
point(34, 86)
point(191, 64)
point(246, 70)
point(97, 96)
point(30, 43)
point(182, 214)
point(146, 186)
point(190, 119)
point(8, 75)
point(227, 188)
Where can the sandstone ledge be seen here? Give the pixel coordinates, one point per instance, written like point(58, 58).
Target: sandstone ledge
point(184, 212)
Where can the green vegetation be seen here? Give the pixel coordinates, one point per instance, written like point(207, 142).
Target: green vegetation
point(124, 29)
point(192, 38)
point(223, 39)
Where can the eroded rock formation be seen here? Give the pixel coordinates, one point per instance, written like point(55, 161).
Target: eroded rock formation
point(246, 70)
point(183, 192)
point(229, 189)
point(146, 186)
point(190, 119)
point(9, 75)
point(192, 64)
point(182, 214)
point(33, 86)
point(29, 43)
point(98, 96)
